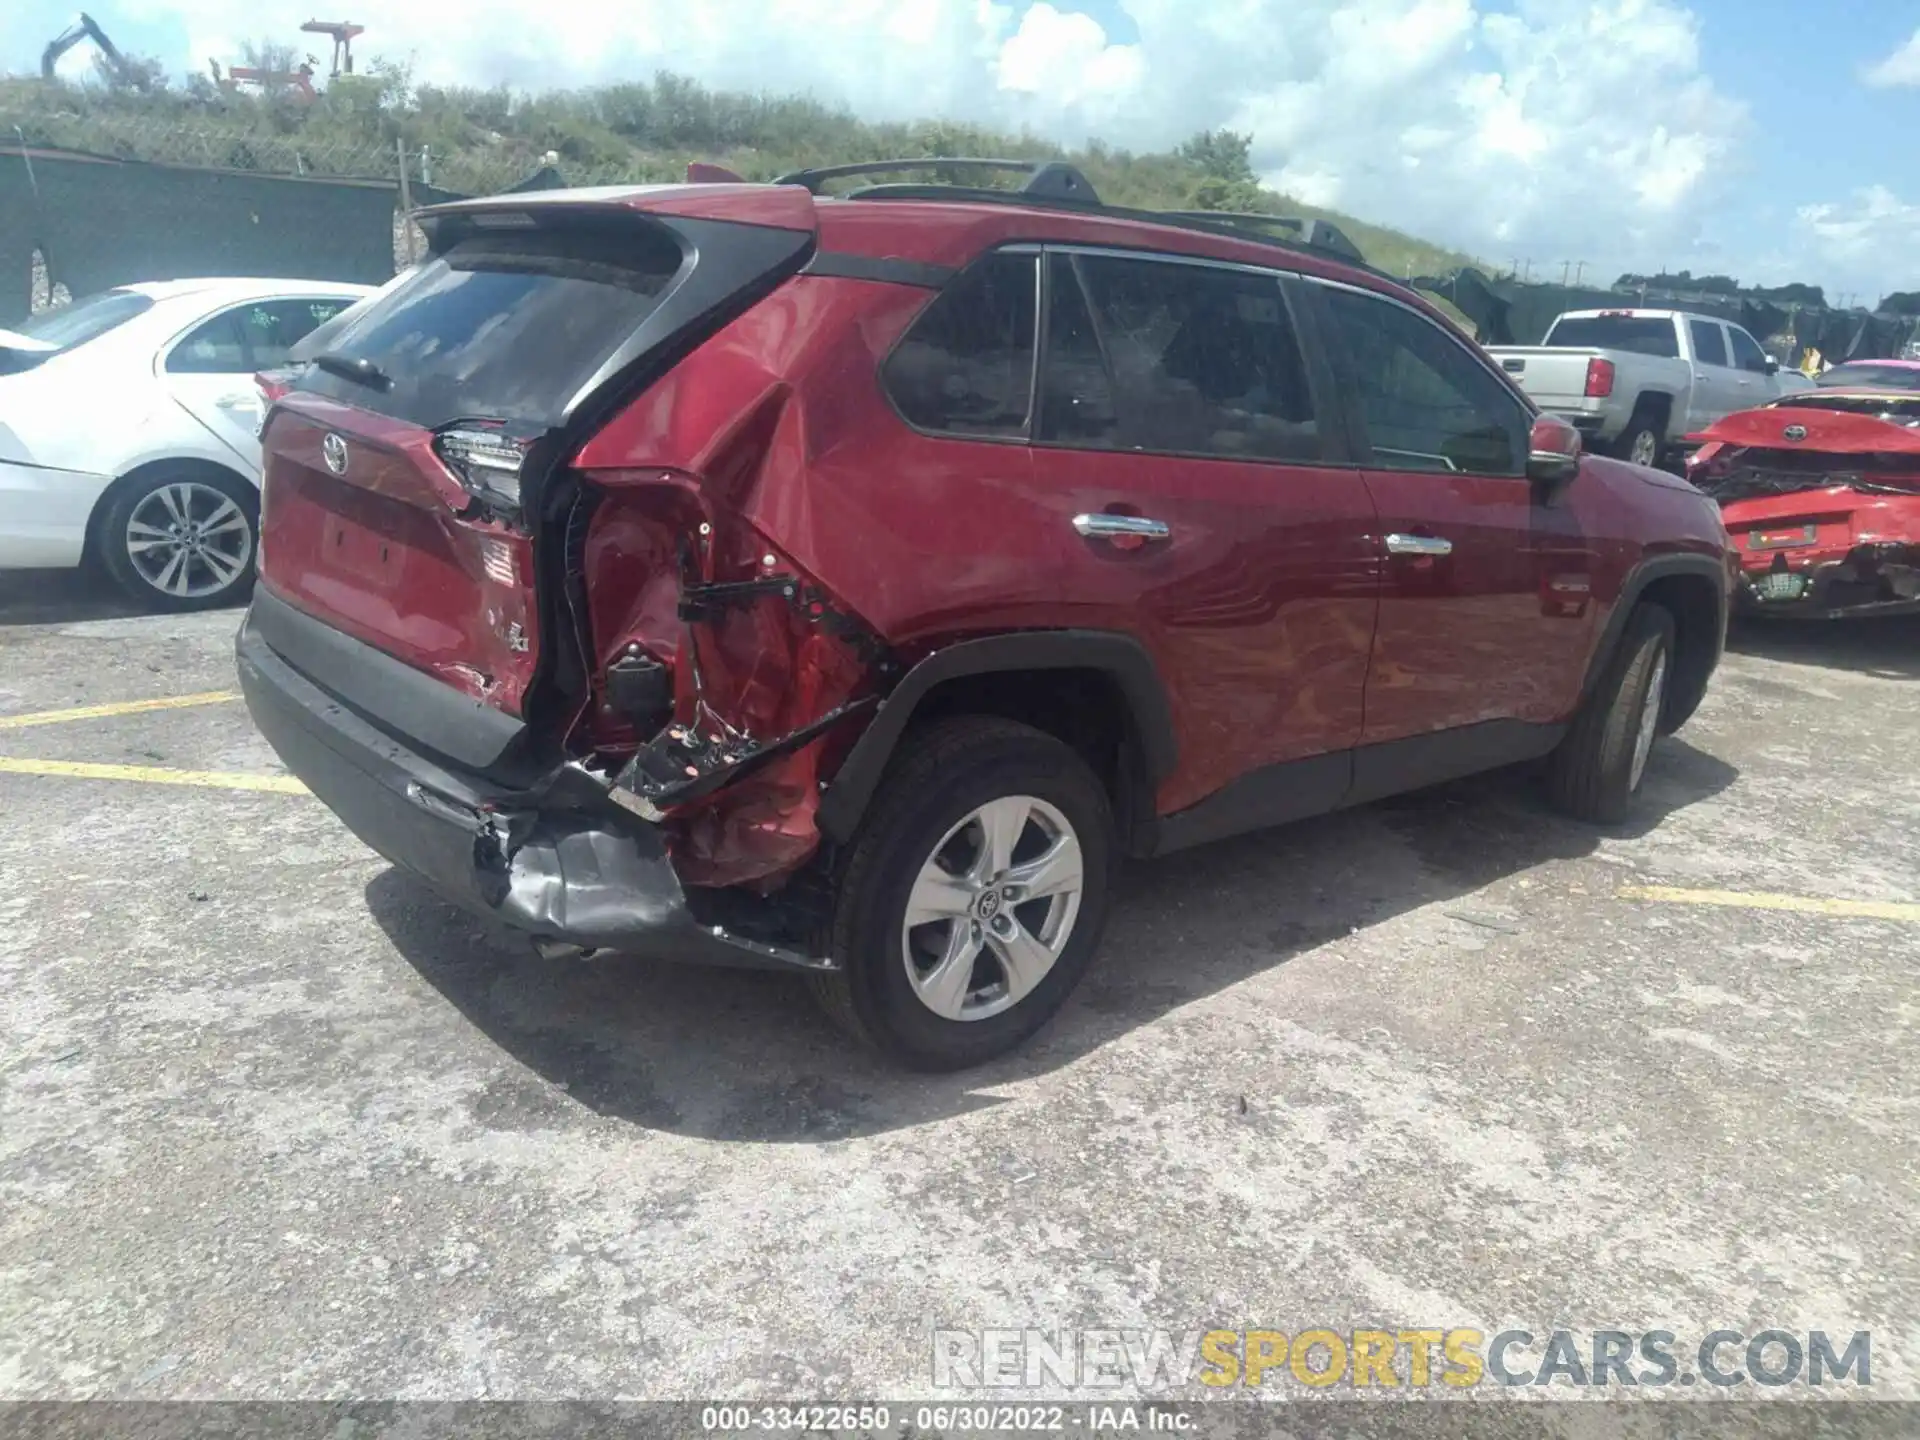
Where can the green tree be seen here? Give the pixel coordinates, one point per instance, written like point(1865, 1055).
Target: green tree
point(1222, 154)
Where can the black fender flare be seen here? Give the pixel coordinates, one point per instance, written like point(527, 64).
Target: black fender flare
point(1118, 656)
point(1648, 570)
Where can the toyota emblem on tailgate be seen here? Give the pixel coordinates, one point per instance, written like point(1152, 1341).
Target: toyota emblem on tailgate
point(1792, 432)
point(334, 451)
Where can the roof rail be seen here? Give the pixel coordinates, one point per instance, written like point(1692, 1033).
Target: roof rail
point(1046, 179)
point(1056, 183)
point(1314, 234)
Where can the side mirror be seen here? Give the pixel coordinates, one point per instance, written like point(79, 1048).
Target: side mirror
point(1553, 451)
point(1773, 366)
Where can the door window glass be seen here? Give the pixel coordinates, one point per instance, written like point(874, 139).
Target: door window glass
point(216, 348)
point(1747, 353)
point(1426, 403)
point(1709, 342)
point(273, 327)
point(1200, 360)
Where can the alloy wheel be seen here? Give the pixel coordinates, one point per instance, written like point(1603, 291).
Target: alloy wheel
point(189, 540)
point(992, 908)
point(1649, 719)
point(1646, 448)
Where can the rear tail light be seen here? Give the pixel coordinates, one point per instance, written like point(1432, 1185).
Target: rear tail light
point(1599, 379)
point(272, 385)
point(486, 462)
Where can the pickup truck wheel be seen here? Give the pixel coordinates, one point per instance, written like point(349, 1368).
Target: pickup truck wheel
point(973, 897)
point(1640, 442)
point(1596, 772)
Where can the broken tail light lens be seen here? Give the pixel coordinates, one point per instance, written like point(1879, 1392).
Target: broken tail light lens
point(487, 463)
point(1599, 378)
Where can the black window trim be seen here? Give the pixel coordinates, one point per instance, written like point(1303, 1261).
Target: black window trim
point(180, 337)
point(1356, 417)
point(1338, 452)
point(960, 277)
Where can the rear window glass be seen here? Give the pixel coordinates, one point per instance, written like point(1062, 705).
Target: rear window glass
point(1617, 332)
point(1871, 377)
point(79, 321)
point(505, 325)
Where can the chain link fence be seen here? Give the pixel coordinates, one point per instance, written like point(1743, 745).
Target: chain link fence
point(95, 198)
point(243, 144)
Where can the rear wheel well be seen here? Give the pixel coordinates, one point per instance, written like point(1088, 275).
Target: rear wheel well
point(1086, 709)
point(1695, 607)
point(1650, 407)
point(140, 473)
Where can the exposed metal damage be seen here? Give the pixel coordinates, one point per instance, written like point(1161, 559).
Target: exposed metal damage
point(728, 679)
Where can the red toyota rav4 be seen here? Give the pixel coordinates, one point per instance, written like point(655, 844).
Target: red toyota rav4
point(743, 574)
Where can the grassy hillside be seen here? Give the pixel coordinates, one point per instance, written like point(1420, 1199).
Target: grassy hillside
point(477, 140)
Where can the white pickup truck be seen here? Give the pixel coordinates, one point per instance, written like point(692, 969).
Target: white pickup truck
point(1636, 383)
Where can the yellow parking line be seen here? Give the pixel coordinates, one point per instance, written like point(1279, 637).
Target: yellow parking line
point(152, 775)
point(1801, 904)
point(119, 707)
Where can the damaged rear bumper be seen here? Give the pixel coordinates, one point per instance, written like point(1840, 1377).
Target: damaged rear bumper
point(1870, 579)
point(557, 861)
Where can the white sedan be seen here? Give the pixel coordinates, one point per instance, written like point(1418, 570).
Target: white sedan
point(129, 431)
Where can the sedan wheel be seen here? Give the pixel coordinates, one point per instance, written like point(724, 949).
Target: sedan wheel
point(182, 541)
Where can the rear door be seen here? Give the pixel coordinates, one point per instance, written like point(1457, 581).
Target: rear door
point(394, 507)
point(210, 370)
point(1484, 608)
point(1177, 394)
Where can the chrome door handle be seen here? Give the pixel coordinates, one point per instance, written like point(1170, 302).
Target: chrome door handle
point(1109, 527)
point(1418, 545)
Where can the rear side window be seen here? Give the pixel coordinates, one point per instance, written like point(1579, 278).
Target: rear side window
point(1709, 342)
point(1643, 336)
point(1426, 403)
point(1747, 353)
point(217, 347)
point(1200, 360)
point(505, 325)
point(965, 367)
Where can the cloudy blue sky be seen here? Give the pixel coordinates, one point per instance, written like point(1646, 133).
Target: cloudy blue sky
point(1774, 139)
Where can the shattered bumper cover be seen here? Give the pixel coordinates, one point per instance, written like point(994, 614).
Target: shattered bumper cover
point(1871, 579)
point(557, 861)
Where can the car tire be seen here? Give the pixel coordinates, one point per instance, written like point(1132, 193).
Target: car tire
point(970, 806)
point(1596, 772)
point(1640, 441)
point(182, 537)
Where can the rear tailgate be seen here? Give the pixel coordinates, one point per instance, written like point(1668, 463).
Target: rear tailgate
point(415, 490)
point(1552, 377)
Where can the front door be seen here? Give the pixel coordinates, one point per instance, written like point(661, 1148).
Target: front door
point(1716, 384)
point(1485, 607)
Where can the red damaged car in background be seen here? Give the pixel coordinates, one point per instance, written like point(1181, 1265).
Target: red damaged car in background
point(1820, 491)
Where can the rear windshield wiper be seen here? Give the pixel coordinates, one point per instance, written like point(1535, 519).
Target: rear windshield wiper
point(361, 372)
